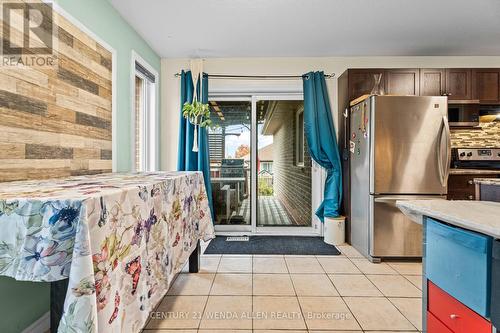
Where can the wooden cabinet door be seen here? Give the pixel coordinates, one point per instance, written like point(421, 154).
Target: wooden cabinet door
point(402, 81)
point(459, 83)
point(461, 187)
point(486, 85)
point(434, 325)
point(361, 81)
point(452, 313)
point(432, 82)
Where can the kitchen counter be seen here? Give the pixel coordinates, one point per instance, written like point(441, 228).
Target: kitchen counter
point(473, 172)
point(479, 216)
point(487, 181)
point(459, 264)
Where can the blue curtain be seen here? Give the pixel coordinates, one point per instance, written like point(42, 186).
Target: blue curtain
point(187, 159)
point(322, 142)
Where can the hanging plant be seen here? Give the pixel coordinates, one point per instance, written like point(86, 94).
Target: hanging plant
point(198, 114)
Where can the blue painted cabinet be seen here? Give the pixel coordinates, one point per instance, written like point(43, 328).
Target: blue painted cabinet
point(459, 262)
point(495, 284)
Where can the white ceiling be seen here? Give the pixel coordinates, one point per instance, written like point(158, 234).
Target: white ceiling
point(268, 28)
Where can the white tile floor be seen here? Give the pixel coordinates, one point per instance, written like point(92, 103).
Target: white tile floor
point(278, 294)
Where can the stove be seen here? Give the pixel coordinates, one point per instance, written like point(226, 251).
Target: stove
point(475, 158)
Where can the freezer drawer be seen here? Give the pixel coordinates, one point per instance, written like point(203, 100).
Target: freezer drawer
point(392, 233)
point(459, 262)
point(453, 314)
point(495, 284)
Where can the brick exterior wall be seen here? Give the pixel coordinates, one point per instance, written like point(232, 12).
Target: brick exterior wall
point(292, 184)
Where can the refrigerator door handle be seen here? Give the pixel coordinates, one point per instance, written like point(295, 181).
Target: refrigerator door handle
point(444, 169)
point(448, 151)
point(387, 200)
point(391, 200)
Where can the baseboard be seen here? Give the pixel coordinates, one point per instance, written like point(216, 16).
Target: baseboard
point(42, 324)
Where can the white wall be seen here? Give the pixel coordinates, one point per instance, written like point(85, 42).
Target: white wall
point(170, 109)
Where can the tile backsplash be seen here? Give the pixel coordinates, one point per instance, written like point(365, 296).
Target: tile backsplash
point(487, 136)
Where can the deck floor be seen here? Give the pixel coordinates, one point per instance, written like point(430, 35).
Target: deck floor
point(270, 212)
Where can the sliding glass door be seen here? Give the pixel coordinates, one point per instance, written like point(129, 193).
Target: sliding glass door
point(230, 162)
point(262, 174)
point(283, 165)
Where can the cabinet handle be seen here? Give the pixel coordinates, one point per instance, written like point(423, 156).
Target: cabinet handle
point(471, 197)
point(470, 182)
point(454, 316)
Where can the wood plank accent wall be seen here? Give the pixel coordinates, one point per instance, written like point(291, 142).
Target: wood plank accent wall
point(56, 121)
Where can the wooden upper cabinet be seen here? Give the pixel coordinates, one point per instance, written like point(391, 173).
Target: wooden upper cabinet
point(472, 85)
point(361, 81)
point(402, 81)
point(432, 82)
point(459, 83)
point(486, 86)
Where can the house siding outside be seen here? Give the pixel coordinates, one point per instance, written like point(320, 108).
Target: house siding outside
point(292, 184)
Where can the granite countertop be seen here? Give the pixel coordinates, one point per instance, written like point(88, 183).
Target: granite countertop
point(487, 181)
point(480, 216)
point(473, 172)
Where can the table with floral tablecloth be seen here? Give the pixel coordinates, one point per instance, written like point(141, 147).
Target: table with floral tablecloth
point(119, 238)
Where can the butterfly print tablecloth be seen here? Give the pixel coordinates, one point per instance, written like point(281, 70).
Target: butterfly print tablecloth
point(119, 238)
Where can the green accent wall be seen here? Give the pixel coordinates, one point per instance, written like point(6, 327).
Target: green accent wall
point(21, 303)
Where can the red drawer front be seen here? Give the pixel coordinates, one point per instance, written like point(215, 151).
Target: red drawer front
point(435, 326)
point(455, 315)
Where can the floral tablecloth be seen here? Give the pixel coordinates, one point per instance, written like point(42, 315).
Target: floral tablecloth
point(119, 238)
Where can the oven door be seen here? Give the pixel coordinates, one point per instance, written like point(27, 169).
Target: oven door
point(463, 115)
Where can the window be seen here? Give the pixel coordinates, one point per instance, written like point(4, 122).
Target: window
point(299, 140)
point(266, 166)
point(144, 119)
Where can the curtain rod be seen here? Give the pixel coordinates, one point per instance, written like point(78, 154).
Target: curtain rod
point(259, 77)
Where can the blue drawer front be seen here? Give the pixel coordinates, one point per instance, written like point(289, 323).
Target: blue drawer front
point(495, 284)
point(459, 262)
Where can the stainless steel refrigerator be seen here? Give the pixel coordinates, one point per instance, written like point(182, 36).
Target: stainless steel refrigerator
point(399, 150)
